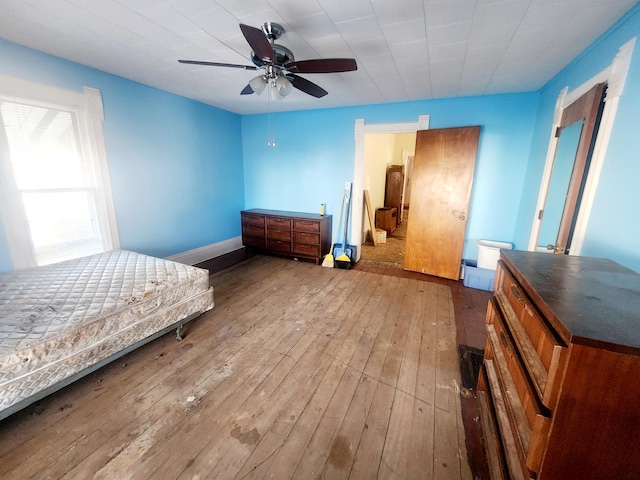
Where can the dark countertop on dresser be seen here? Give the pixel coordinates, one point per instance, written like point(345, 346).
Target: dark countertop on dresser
point(590, 301)
point(284, 213)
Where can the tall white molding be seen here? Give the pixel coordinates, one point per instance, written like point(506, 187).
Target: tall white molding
point(94, 109)
point(617, 80)
point(93, 103)
point(548, 168)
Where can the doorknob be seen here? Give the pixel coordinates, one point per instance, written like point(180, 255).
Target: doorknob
point(559, 249)
point(462, 216)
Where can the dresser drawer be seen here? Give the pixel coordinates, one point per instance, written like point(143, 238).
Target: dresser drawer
point(284, 235)
point(253, 220)
point(257, 242)
point(491, 434)
point(506, 460)
point(542, 352)
point(253, 231)
point(279, 223)
point(306, 226)
point(304, 249)
point(530, 419)
point(279, 245)
point(306, 238)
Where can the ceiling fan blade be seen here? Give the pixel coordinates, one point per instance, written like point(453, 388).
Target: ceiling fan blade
point(323, 65)
point(306, 86)
point(247, 90)
point(216, 64)
point(258, 42)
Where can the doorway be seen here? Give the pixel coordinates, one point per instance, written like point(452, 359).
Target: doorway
point(359, 228)
point(614, 76)
point(443, 171)
point(386, 172)
point(577, 134)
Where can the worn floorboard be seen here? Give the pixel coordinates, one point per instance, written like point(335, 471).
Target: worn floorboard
point(298, 372)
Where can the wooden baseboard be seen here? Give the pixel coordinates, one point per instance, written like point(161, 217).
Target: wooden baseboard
point(222, 262)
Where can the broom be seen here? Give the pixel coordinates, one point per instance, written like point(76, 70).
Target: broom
point(328, 258)
point(343, 257)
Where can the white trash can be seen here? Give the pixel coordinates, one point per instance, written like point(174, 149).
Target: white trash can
point(489, 252)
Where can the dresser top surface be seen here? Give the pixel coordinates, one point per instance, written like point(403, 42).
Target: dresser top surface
point(284, 213)
point(591, 300)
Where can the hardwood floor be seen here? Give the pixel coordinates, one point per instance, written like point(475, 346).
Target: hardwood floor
point(298, 372)
point(469, 306)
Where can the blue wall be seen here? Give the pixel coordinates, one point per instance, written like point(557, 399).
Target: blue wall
point(315, 156)
point(181, 170)
point(175, 164)
point(613, 230)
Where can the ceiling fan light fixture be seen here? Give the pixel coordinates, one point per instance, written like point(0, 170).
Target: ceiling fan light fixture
point(283, 86)
point(258, 84)
point(281, 70)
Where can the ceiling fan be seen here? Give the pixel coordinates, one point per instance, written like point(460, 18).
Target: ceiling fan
point(280, 66)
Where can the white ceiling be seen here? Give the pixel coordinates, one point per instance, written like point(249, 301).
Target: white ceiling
point(405, 49)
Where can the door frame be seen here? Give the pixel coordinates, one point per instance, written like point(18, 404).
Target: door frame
point(586, 109)
point(614, 76)
point(357, 196)
point(407, 161)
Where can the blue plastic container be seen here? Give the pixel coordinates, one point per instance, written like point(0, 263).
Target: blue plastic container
point(478, 278)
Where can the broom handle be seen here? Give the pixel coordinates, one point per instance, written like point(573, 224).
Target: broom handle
point(333, 240)
point(346, 220)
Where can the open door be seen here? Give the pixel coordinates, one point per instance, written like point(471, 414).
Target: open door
point(443, 168)
point(576, 135)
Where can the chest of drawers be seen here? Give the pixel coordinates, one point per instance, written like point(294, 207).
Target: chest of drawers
point(559, 389)
point(299, 235)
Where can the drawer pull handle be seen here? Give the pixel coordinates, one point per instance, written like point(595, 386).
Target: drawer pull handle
point(516, 293)
point(503, 339)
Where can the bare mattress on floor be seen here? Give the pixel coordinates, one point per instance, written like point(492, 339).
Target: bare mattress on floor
point(60, 321)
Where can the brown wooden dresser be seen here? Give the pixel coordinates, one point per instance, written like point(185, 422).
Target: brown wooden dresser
point(559, 389)
point(387, 219)
point(299, 235)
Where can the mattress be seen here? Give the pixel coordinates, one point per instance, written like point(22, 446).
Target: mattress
point(58, 320)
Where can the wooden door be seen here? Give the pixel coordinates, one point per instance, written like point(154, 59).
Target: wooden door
point(587, 109)
point(443, 169)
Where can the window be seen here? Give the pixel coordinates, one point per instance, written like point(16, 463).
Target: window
point(56, 197)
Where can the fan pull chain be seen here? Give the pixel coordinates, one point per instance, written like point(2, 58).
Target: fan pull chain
point(271, 116)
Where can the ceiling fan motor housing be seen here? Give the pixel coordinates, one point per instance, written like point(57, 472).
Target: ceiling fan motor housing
point(283, 56)
point(272, 30)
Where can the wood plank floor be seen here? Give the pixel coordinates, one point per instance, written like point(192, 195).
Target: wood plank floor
point(298, 372)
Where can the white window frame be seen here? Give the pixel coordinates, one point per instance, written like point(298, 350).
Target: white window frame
point(88, 109)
